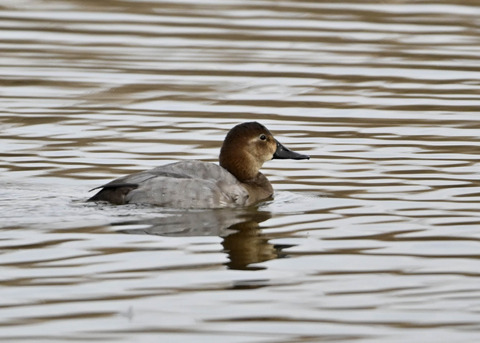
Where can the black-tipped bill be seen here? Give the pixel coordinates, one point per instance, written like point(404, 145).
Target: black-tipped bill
point(285, 153)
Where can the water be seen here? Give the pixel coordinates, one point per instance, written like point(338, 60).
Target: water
point(375, 239)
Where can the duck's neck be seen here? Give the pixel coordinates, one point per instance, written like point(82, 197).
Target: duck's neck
point(247, 172)
point(244, 169)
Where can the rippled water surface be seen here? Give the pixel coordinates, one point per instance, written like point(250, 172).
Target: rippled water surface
point(375, 239)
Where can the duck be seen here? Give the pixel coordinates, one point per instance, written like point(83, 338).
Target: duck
point(190, 184)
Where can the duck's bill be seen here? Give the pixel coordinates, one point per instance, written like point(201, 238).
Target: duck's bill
point(285, 153)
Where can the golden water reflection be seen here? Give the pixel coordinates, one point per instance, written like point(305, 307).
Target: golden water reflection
point(243, 240)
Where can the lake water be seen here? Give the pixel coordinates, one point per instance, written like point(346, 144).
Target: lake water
point(375, 239)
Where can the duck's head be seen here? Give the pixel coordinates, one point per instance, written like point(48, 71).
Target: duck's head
point(247, 146)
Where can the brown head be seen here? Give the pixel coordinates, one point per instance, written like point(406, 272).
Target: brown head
point(247, 146)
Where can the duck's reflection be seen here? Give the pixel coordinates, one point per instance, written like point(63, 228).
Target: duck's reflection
point(243, 239)
point(246, 246)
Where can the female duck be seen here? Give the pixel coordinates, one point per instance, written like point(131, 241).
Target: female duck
point(194, 184)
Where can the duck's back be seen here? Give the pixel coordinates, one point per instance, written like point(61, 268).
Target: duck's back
point(186, 184)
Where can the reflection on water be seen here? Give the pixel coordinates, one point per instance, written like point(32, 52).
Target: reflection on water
point(375, 239)
point(243, 241)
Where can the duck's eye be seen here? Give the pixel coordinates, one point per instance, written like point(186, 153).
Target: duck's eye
point(263, 137)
